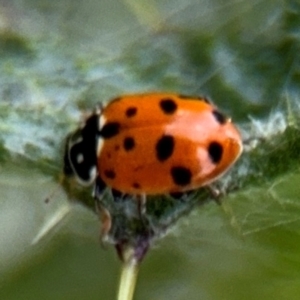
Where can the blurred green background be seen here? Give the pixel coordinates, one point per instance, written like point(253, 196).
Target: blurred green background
point(58, 59)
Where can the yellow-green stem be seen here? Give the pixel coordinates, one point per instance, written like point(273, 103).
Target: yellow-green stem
point(128, 276)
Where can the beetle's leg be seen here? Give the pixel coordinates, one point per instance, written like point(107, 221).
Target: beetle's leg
point(181, 196)
point(102, 211)
point(141, 201)
point(215, 193)
point(117, 195)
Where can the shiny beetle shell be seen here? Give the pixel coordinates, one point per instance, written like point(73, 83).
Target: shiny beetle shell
point(154, 143)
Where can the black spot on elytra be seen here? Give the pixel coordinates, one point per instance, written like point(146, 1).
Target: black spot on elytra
point(110, 174)
point(220, 118)
point(128, 143)
point(168, 106)
point(136, 185)
point(181, 175)
point(215, 151)
point(110, 130)
point(164, 147)
point(131, 112)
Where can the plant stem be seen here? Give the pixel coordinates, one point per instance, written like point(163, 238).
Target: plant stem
point(128, 276)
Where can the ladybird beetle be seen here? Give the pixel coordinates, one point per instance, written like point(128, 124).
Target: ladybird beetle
point(153, 143)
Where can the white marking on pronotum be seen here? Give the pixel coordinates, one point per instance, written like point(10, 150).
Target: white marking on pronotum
point(102, 121)
point(100, 145)
point(93, 174)
point(90, 180)
point(99, 109)
point(80, 158)
point(100, 142)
